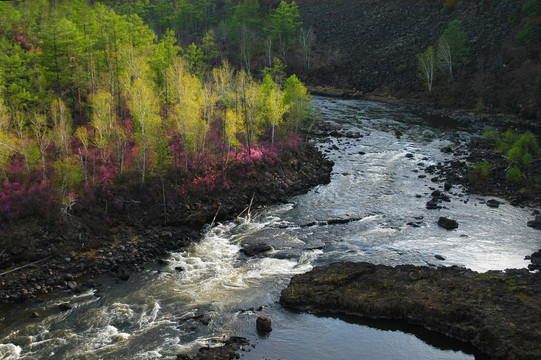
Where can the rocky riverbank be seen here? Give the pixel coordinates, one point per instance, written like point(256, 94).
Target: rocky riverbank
point(498, 312)
point(38, 259)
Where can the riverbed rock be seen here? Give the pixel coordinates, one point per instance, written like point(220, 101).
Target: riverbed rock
point(536, 224)
point(448, 224)
point(65, 307)
point(226, 351)
point(535, 260)
point(439, 257)
point(263, 324)
point(432, 204)
point(255, 249)
point(497, 312)
point(493, 203)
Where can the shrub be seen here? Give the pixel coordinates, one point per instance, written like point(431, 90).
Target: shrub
point(448, 6)
point(490, 134)
point(479, 173)
point(480, 106)
point(514, 175)
point(523, 150)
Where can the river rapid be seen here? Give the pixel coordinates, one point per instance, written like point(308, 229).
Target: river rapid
point(376, 206)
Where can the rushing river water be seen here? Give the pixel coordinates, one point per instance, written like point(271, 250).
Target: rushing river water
point(373, 182)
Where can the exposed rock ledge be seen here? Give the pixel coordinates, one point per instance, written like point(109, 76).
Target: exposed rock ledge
point(498, 312)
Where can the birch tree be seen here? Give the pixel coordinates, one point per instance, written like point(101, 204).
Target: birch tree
point(444, 56)
point(41, 133)
point(425, 66)
point(144, 107)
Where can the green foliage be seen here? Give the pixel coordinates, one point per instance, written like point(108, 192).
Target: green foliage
point(195, 58)
point(538, 82)
point(479, 173)
point(505, 141)
point(68, 175)
point(531, 28)
point(479, 106)
point(283, 23)
point(519, 149)
point(448, 6)
point(208, 46)
point(296, 97)
point(491, 135)
point(524, 149)
point(164, 54)
point(277, 72)
point(513, 174)
point(458, 42)
point(531, 7)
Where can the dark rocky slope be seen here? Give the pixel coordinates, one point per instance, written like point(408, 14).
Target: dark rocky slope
point(371, 45)
point(499, 313)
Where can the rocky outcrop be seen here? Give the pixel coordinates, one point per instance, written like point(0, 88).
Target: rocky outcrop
point(498, 312)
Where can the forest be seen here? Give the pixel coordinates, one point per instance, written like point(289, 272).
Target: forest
point(95, 102)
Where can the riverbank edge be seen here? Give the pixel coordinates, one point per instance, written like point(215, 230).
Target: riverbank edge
point(498, 312)
point(71, 256)
point(431, 107)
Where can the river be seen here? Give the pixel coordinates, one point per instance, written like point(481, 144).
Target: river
point(375, 184)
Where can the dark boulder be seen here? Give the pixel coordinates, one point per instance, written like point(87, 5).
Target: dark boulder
point(255, 249)
point(535, 260)
point(263, 324)
point(493, 203)
point(439, 257)
point(448, 224)
point(123, 277)
point(536, 224)
point(432, 204)
point(65, 307)
point(226, 351)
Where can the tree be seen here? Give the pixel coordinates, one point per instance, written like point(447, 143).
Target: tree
point(282, 25)
point(307, 39)
point(7, 140)
point(103, 121)
point(143, 105)
point(208, 46)
point(296, 97)
point(209, 98)
point(425, 67)
point(247, 45)
point(62, 126)
point(457, 40)
point(20, 77)
point(444, 57)
point(164, 55)
point(277, 109)
point(186, 111)
point(194, 57)
point(61, 42)
point(41, 132)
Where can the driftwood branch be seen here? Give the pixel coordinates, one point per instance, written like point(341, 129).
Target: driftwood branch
point(248, 208)
point(22, 267)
